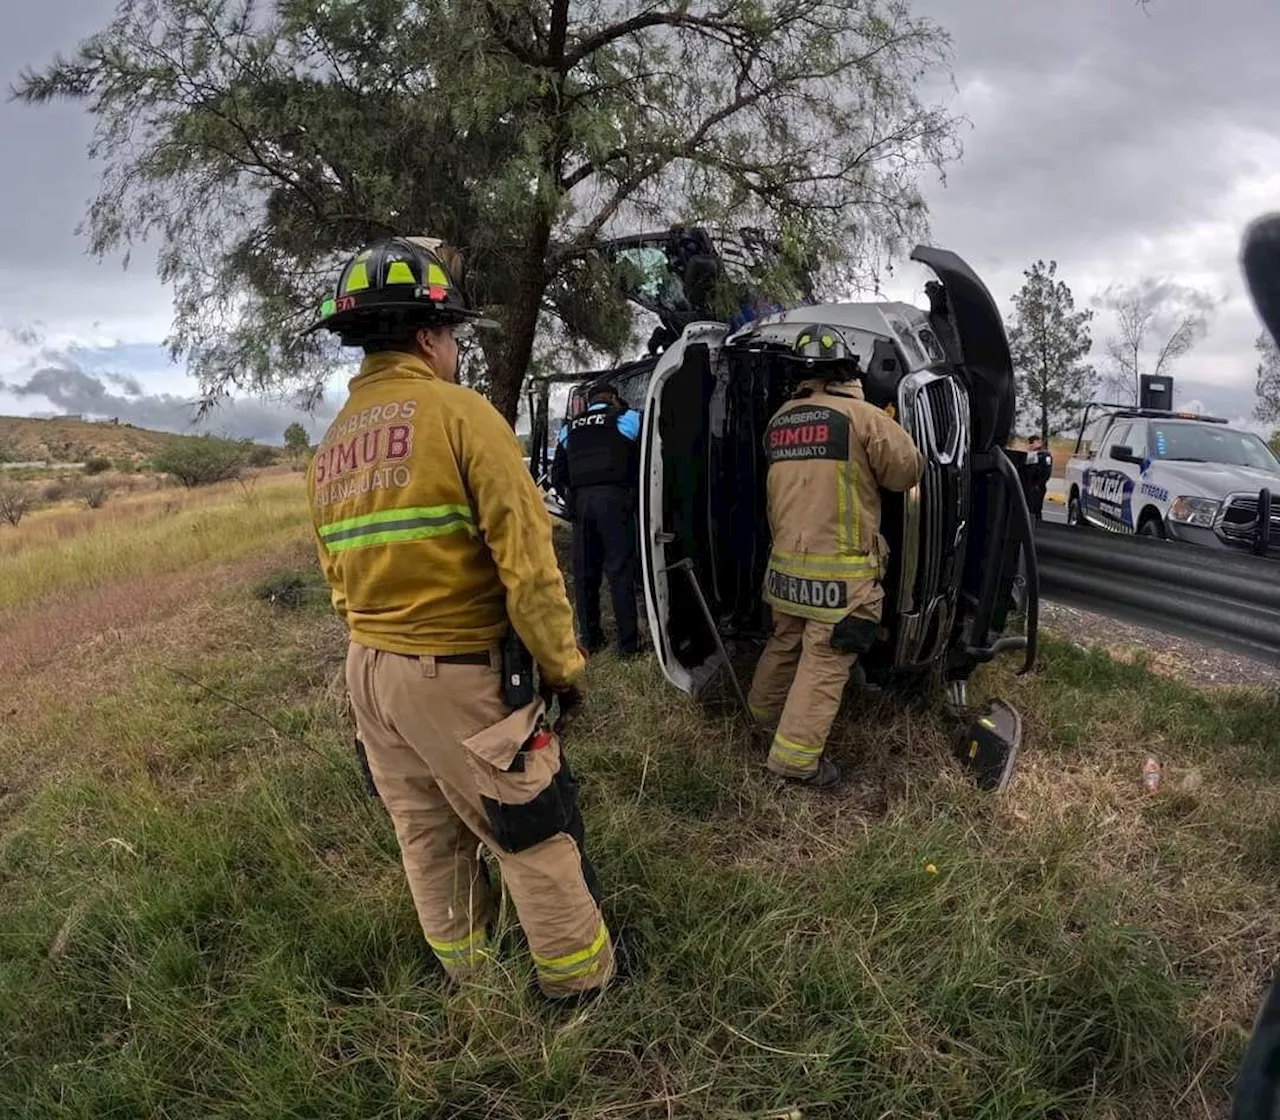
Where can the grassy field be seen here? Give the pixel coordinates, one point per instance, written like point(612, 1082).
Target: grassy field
point(60, 553)
point(202, 915)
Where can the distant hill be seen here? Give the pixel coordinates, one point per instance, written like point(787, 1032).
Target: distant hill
point(66, 440)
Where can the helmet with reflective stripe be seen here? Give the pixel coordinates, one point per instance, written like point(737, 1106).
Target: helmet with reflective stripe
point(819, 343)
point(402, 281)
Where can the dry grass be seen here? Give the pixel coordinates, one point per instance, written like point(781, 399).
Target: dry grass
point(147, 535)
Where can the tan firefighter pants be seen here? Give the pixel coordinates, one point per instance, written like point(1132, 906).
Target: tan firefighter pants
point(447, 760)
point(800, 675)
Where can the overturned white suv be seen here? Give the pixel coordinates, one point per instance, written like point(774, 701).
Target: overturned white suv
point(708, 390)
point(1177, 476)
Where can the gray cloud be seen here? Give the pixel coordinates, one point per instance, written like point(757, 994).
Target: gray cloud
point(1120, 141)
point(130, 385)
point(70, 389)
point(1123, 143)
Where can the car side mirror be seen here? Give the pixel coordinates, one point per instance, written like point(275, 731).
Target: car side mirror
point(1122, 454)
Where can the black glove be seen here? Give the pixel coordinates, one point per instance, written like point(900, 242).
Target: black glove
point(570, 699)
point(853, 635)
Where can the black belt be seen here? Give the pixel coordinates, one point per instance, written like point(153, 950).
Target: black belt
point(481, 658)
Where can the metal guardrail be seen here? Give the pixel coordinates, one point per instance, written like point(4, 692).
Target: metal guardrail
point(1223, 598)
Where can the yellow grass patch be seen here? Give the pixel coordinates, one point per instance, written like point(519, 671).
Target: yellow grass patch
point(147, 534)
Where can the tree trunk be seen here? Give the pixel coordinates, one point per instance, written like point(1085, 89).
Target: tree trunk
point(1044, 425)
point(521, 327)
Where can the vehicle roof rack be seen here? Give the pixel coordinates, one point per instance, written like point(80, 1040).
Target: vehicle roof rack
point(1114, 410)
point(1159, 413)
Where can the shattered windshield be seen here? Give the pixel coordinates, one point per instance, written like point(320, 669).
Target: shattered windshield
point(647, 272)
point(1200, 443)
point(686, 274)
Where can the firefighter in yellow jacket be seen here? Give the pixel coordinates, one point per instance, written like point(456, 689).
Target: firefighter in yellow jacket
point(436, 543)
point(829, 454)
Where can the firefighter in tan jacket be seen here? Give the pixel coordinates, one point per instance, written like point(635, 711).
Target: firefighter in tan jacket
point(436, 544)
point(830, 453)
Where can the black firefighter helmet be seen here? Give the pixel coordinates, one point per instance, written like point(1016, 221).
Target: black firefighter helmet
point(393, 284)
point(823, 351)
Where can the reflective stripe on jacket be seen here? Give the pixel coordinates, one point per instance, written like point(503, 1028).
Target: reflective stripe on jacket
point(830, 453)
point(431, 532)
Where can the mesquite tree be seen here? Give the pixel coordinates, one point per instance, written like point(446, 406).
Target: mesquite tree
point(257, 145)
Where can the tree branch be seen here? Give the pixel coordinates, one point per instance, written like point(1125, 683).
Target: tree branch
point(500, 27)
point(583, 173)
point(602, 39)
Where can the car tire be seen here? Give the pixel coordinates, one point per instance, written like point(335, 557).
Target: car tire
point(1152, 526)
point(1075, 515)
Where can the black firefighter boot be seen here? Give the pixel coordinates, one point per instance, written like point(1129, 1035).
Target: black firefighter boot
point(827, 776)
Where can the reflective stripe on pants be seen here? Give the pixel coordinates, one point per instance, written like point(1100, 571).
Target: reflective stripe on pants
point(415, 716)
point(800, 673)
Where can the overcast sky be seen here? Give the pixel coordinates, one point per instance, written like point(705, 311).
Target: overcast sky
point(1123, 144)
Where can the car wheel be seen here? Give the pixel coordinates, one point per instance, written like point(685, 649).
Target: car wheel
point(1075, 515)
point(1152, 526)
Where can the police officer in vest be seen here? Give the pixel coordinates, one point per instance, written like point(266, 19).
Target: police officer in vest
point(830, 453)
point(1036, 475)
point(437, 547)
point(597, 461)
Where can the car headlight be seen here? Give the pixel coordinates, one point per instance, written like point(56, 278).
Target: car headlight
point(1195, 511)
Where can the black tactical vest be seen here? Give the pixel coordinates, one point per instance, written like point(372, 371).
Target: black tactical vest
point(599, 454)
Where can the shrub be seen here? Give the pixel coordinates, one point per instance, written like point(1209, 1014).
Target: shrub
point(289, 588)
point(15, 502)
point(201, 460)
point(126, 466)
point(260, 456)
point(96, 465)
point(95, 497)
point(55, 491)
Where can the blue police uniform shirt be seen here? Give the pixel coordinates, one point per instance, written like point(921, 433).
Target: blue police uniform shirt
point(628, 423)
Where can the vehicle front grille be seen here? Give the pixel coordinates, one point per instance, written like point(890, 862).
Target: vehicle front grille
point(942, 404)
point(1238, 522)
point(935, 410)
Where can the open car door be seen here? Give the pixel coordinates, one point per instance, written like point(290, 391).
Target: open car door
point(674, 513)
point(966, 318)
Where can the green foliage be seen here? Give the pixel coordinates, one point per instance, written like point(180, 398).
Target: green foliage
point(1268, 381)
point(259, 146)
point(1049, 340)
point(259, 455)
point(296, 439)
point(126, 466)
point(201, 460)
point(97, 465)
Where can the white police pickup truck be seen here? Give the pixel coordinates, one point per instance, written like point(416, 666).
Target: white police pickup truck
point(1175, 475)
